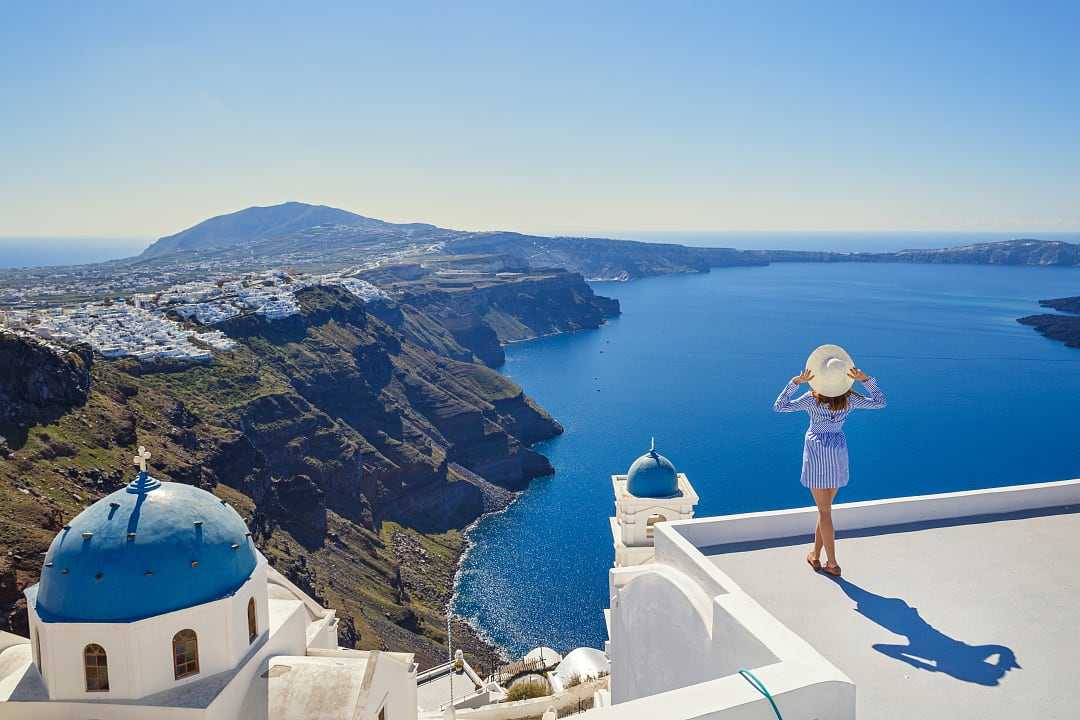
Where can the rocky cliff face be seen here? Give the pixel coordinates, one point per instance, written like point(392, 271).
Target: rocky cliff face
point(481, 319)
point(355, 450)
point(1066, 305)
point(39, 382)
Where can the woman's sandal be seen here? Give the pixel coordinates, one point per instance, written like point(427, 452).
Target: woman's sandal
point(815, 564)
point(834, 570)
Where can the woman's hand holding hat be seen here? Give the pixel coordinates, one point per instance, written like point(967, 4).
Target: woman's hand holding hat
point(857, 374)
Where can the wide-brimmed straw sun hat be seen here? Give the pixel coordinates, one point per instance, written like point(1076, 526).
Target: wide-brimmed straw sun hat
point(830, 365)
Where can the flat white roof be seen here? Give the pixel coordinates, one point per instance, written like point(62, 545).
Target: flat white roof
point(317, 687)
point(433, 687)
point(975, 617)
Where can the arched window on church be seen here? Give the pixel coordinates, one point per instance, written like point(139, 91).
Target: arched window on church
point(185, 647)
point(653, 519)
point(253, 625)
point(96, 665)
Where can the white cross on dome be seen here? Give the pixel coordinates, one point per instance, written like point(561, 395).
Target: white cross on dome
point(141, 457)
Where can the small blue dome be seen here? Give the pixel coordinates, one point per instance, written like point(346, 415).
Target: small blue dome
point(652, 476)
point(148, 549)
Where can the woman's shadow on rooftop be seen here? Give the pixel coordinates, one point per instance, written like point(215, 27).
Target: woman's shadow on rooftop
point(927, 647)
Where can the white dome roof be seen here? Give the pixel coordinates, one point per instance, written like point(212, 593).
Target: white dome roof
point(549, 656)
point(583, 662)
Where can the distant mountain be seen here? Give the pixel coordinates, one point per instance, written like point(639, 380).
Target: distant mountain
point(600, 258)
point(296, 233)
point(1023, 251)
point(262, 223)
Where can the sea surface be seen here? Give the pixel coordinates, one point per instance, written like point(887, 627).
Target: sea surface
point(975, 400)
point(19, 252)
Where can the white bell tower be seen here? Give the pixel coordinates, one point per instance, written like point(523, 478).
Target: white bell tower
point(651, 491)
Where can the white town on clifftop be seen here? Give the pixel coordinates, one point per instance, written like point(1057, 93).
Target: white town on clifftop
point(140, 326)
point(154, 603)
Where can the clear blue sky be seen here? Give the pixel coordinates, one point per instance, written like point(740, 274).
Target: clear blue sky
point(142, 119)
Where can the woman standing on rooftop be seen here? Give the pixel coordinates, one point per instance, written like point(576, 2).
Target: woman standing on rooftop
point(831, 374)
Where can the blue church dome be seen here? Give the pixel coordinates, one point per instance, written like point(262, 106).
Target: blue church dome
point(148, 549)
point(652, 476)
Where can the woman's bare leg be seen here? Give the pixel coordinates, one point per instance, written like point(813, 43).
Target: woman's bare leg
point(818, 542)
point(825, 535)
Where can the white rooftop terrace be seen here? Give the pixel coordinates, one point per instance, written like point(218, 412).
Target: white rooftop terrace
point(960, 605)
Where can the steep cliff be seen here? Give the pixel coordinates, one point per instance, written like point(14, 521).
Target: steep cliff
point(356, 452)
point(1066, 305)
point(37, 382)
point(483, 317)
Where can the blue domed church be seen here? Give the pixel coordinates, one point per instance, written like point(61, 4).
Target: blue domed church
point(155, 602)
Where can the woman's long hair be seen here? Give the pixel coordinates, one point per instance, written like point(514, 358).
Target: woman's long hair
point(836, 404)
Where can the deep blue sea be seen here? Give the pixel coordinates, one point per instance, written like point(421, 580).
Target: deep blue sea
point(975, 400)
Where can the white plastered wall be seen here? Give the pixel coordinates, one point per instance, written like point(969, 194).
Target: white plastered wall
point(243, 698)
point(660, 635)
point(679, 624)
point(393, 689)
point(140, 657)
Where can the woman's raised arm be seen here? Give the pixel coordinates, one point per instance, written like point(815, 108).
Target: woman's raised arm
point(784, 403)
point(876, 401)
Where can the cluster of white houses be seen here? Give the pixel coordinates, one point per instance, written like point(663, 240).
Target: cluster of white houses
point(119, 330)
point(271, 294)
point(140, 327)
point(154, 603)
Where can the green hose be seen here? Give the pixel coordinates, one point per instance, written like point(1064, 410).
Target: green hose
point(760, 687)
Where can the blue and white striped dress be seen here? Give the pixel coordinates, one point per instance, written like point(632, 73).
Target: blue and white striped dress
point(825, 455)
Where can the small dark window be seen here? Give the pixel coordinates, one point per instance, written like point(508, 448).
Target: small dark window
point(253, 624)
point(649, 524)
point(185, 646)
point(96, 664)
